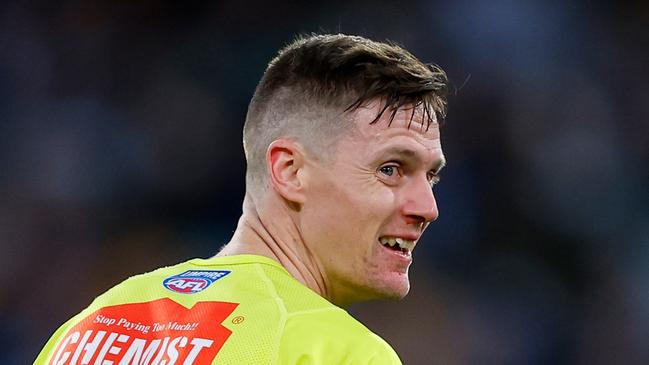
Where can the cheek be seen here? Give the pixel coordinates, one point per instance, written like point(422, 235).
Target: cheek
point(345, 204)
point(371, 199)
point(353, 208)
point(361, 190)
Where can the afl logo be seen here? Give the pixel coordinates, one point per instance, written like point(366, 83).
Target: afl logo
point(193, 281)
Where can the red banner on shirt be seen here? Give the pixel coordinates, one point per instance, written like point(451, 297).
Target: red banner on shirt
point(150, 333)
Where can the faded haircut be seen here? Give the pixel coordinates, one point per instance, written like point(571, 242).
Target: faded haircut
point(313, 85)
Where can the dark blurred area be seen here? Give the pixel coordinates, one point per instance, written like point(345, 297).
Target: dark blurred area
point(120, 151)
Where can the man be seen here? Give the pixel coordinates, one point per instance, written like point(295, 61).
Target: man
point(342, 145)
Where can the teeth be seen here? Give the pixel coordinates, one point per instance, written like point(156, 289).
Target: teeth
point(407, 244)
point(404, 244)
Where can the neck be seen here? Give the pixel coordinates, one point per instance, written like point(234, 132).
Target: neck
point(273, 233)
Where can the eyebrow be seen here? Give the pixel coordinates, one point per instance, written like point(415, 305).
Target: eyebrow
point(437, 166)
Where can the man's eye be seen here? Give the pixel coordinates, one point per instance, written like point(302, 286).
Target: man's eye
point(388, 170)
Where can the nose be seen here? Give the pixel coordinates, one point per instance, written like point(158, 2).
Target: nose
point(420, 205)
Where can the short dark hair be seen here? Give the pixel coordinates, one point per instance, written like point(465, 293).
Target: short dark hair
point(344, 72)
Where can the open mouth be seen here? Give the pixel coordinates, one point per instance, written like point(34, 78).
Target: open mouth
point(397, 244)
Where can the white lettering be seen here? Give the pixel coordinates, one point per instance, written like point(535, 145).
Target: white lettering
point(82, 343)
point(104, 320)
point(112, 348)
point(172, 352)
point(91, 347)
point(60, 360)
point(115, 350)
point(182, 284)
point(165, 343)
point(199, 344)
point(137, 355)
point(104, 350)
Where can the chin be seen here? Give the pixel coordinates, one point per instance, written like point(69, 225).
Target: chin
point(394, 289)
point(400, 294)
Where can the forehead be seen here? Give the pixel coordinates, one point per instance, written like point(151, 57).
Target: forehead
point(404, 138)
point(408, 122)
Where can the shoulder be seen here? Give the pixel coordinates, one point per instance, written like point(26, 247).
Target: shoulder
point(141, 309)
point(316, 332)
point(331, 335)
point(202, 279)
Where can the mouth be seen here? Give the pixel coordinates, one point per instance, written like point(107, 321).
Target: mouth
point(397, 244)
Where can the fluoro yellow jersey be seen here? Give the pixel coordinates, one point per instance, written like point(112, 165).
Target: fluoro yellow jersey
point(239, 310)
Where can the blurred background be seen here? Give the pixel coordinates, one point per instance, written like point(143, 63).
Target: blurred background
point(120, 151)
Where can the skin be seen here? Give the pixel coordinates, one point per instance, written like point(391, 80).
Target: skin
point(322, 218)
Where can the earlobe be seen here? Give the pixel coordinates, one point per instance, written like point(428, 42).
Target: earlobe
point(284, 160)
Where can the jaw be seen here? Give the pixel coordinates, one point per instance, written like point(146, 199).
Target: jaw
point(390, 286)
point(387, 289)
point(382, 278)
point(392, 274)
point(387, 275)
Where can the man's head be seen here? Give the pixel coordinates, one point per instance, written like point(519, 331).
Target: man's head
point(343, 132)
point(310, 89)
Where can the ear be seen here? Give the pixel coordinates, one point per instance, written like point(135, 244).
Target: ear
point(284, 159)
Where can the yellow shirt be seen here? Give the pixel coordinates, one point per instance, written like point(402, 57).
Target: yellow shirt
point(241, 310)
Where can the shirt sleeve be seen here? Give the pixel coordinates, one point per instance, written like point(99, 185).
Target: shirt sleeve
point(329, 337)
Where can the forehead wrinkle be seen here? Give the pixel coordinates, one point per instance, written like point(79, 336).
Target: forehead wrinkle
point(403, 151)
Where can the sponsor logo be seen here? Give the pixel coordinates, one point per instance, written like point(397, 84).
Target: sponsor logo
point(151, 333)
point(193, 281)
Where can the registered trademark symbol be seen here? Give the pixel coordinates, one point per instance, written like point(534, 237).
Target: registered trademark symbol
point(237, 319)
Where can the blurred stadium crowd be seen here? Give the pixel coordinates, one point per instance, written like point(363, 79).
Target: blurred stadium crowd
point(120, 151)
